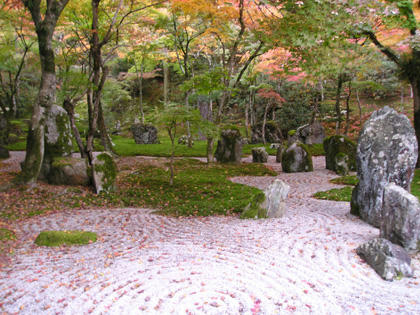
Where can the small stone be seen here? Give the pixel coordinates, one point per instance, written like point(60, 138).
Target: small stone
point(390, 261)
point(297, 159)
point(401, 218)
point(275, 199)
point(259, 155)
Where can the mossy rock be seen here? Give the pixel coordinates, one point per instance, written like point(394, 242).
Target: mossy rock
point(59, 238)
point(253, 210)
point(68, 171)
point(104, 172)
point(297, 158)
point(339, 145)
point(4, 153)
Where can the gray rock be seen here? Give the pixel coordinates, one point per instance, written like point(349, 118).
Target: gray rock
point(390, 261)
point(68, 171)
point(335, 148)
point(58, 133)
point(311, 133)
point(144, 134)
point(229, 147)
point(259, 155)
point(184, 140)
point(279, 153)
point(275, 199)
point(386, 153)
point(275, 145)
point(342, 164)
point(272, 133)
point(104, 171)
point(401, 218)
point(297, 158)
point(4, 153)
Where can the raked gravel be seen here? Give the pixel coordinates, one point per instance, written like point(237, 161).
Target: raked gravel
point(144, 263)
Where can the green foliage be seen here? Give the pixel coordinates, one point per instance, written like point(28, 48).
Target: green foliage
point(60, 238)
point(335, 194)
point(345, 180)
point(6, 235)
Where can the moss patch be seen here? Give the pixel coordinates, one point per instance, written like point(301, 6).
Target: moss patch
point(6, 235)
point(253, 209)
point(336, 194)
point(59, 238)
point(345, 180)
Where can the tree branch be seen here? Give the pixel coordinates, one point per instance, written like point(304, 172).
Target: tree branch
point(385, 50)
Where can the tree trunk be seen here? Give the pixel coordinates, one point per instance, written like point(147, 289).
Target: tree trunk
point(415, 84)
point(337, 104)
point(348, 110)
point(165, 83)
point(359, 105)
point(105, 139)
point(264, 123)
point(210, 149)
point(46, 98)
point(69, 107)
point(248, 104)
point(140, 83)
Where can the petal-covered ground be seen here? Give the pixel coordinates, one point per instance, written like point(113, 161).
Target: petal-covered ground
point(143, 263)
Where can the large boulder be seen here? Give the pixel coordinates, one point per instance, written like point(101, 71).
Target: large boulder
point(296, 158)
point(144, 134)
point(336, 149)
point(104, 173)
point(259, 155)
point(4, 153)
point(272, 133)
point(386, 153)
point(401, 218)
point(58, 137)
point(275, 199)
point(68, 171)
point(229, 147)
point(390, 261)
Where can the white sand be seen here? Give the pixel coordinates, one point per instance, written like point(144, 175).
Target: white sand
point(143, 263)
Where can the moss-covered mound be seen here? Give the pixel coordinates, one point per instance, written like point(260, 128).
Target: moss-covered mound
point(340, 154)
point(59, 238)
point(297, 158)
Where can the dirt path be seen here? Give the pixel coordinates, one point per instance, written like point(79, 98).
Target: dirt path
point(144, 263)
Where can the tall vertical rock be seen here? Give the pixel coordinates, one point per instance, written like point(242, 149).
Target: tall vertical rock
point(386, 153)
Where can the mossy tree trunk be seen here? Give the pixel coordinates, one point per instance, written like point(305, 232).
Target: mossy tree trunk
point(69, 107)
point(337, 103)
point(45, 23)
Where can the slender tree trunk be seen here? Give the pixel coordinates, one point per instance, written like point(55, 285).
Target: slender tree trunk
point(105, 139)
point(172, 133)
point(337, 104)
point(248, 104)
point(348, 110)
point(165, 83)
point(69, 107)
point(140, 82)
point(264, 123)
point(210, 149)
point(359, 105)
point(415, 84)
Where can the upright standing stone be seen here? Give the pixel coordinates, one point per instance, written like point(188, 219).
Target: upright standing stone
point(104, 171)
point(275, 199)
point(386, 153)
point(401, 218)
point(229, 147)
point(58, 137)
point(340, 154)
point(144, 134)
point(259, 155)
point(297, 159)
point(311, 133)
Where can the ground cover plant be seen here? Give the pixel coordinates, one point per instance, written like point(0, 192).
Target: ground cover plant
point(60, 238)
point(344, 194)
point(199, 189)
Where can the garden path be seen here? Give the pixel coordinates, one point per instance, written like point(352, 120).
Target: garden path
point(304, 262)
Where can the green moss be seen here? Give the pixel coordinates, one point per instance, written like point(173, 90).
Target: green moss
point(6, 235)
point(253, 209)
point(291, 133)
point(336, 144)
point(345, 180)
point(316, 149)
point(63, 145)
point(109, 169)
point(59, 238)
point(63, 161)
point(336, 194)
